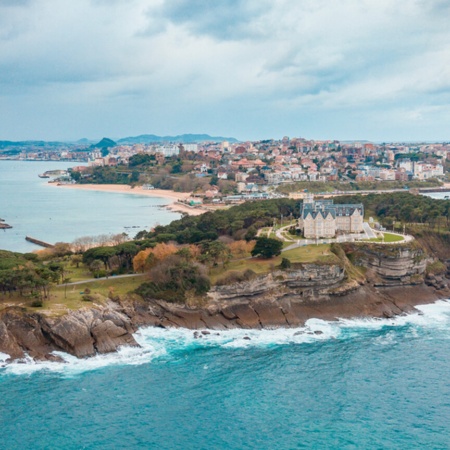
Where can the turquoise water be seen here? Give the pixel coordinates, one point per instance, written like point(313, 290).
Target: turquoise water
point(52, 214)
point(373, 384)
point(360, 384)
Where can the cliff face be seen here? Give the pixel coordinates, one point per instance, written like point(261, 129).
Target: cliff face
point(392, 265)
point(311, 277)
point(288, 298)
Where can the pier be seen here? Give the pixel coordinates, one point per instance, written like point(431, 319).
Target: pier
point(38, 242)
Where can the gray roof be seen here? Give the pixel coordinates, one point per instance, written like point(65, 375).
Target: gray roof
point(325, 207)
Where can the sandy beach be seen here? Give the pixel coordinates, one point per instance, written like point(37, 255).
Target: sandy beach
point(173, 197)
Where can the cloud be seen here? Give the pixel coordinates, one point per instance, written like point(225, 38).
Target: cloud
point(222, 20)
point(247, 67)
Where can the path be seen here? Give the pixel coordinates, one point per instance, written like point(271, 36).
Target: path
point(368, 234)
point(91, 280)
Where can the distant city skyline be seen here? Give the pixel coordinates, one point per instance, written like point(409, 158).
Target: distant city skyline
point(371, 70)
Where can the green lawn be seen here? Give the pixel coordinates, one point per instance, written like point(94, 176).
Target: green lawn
point(307, 254)
point(63, 299)
point(388, 237)
point(77, 273)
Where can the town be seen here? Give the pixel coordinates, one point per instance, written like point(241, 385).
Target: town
point(230, 172)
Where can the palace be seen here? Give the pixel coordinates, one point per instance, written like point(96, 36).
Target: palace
point(323, 219)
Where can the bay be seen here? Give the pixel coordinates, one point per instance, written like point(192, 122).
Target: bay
point(33, 207)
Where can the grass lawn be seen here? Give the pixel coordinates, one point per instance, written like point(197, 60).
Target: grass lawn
point(306, 254)
point(77, 273)
point(59, 303)
point(388, 237)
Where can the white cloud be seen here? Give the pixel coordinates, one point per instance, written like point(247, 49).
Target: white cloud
point(247, 68)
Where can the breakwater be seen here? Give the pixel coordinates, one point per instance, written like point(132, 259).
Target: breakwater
point(38, 242)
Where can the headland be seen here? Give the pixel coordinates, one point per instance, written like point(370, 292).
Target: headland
point(219, 271)
point(380, 282)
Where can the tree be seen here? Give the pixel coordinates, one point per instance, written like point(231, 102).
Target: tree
point(62, 249)
point(57, 268)
point(76, 260)
point(267, 247)
point(145, 259)
point(101, 253)
point(134, 178)
point(240, 249)
point(95, 266)
point(216, 251)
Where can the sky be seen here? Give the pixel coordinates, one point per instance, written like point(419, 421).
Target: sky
point(251, 69)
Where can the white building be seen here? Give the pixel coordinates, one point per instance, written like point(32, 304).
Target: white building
point(323, 219)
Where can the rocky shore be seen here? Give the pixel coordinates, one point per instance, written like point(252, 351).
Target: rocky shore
point(3, 225)
point(394, 282)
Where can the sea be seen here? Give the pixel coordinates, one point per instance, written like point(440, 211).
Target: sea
point(36, 208)
point(348, 384)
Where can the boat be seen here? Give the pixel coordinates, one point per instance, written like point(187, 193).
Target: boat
point(43, 175)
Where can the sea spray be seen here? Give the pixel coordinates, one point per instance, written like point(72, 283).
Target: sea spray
point(159, 343)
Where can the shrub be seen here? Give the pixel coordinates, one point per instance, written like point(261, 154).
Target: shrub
point(236, 277)
point(172, 278)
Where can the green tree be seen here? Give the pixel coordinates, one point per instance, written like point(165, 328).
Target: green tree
point(267, 247)
point(134, 178)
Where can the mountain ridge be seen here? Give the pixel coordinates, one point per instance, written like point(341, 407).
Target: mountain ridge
point(183, 138)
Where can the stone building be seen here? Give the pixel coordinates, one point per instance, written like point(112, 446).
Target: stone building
point(324, 219)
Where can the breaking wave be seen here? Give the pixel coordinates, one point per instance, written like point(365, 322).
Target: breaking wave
point(431, 321)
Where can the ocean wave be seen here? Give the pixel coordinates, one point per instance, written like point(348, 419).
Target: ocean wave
point(156, 343)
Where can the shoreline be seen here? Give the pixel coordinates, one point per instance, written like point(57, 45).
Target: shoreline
point(95, 330)
point(174, 197)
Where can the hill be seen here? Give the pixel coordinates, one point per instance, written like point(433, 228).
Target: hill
point(184, 138)
point(104, 143)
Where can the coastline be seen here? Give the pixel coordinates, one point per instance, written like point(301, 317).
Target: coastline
point(100, 329)
point(173, 197)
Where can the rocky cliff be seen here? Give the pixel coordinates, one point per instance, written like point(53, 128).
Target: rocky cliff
point(391, 265)
point(393, 285)
point(81, 333)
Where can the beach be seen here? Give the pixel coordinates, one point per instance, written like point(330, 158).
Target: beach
point(173, 197)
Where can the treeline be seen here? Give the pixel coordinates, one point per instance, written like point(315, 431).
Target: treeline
point(330, 186)
point(238, 222)
point(106, 175)
point(115, 259)
point(25, 275)
point(403, 207)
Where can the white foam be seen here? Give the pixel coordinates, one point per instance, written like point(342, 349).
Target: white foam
point(158, 342)
point(73, 365)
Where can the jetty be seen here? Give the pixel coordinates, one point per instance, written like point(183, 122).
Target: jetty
point(38, 242)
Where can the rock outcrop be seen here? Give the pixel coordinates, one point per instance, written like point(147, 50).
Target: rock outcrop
point(81, 333)
point(392, 265)
point(393, 285)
